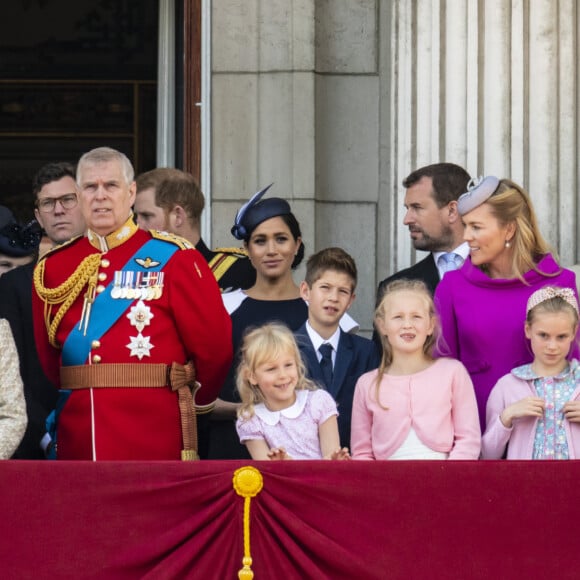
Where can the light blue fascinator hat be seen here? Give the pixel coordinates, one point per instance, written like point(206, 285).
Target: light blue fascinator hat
point(479, 190)
point(256, 211)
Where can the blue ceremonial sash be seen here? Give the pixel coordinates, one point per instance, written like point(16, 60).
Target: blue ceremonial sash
point(104, 313)
point(106, 310)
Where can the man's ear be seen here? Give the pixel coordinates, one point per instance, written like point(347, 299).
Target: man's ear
point(453, 214)
point(132, 193)
point(38, 217)
point(179, 215)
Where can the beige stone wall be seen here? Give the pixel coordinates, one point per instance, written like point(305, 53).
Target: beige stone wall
point(336, 101)
point(295, 100)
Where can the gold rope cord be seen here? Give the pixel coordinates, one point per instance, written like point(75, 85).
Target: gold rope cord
point(66, 293)
point(248, 483)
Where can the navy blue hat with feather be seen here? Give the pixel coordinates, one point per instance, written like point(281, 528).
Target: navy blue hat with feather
point(256, 211)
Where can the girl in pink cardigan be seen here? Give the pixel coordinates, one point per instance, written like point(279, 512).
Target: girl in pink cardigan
point(536, 407)
point(413, 406)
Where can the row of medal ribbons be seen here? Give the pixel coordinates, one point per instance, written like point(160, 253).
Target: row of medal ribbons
point(137, 285)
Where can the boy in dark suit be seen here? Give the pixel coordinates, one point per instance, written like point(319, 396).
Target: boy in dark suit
point(333, 358)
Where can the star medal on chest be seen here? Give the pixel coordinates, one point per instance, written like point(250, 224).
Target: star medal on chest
point(140, 346)
point(140, 315)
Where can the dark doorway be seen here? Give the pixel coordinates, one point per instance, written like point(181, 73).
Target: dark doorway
point(74, 76)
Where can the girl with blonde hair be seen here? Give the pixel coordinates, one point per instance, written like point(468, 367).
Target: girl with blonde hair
point(413, 406)
point(283, 415)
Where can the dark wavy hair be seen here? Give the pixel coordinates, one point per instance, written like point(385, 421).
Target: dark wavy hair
point(49, 173)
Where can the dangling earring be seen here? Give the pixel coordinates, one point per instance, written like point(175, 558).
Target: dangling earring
point(507, 244)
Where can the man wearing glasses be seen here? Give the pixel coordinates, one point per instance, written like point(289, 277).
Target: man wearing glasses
point(58, 212)
point(56, 202)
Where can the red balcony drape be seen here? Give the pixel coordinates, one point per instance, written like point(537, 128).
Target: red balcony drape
point(316, 519)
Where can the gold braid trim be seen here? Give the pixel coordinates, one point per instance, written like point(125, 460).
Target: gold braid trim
point(65, 294)
point(241, 252)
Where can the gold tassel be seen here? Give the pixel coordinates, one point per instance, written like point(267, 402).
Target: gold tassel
point(248, 483)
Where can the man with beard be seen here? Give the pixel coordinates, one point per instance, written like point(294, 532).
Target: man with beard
point(434, 224)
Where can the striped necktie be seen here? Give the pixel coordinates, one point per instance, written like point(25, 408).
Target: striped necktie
point(450, 261)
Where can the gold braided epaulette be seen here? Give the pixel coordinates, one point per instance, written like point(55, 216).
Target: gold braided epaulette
point(59, 247)
point(62, 297)
point(239, 252)
point(172, 239)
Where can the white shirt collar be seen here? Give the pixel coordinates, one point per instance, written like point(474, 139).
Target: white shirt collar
point(273, 417)
point(317, 340)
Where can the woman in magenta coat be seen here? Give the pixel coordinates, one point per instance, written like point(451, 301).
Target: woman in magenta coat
point(482, 305)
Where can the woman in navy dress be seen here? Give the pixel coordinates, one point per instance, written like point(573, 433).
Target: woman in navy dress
point(271, 235)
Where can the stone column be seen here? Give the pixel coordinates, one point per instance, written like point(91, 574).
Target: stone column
point(491, 85)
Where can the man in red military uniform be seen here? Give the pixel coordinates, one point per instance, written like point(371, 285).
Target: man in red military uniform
point(128, 323)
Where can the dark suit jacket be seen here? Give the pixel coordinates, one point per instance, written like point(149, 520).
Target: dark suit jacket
point(40, 394)
point(425, 270)
point(355, 356)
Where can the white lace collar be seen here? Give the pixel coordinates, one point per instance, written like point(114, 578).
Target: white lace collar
point(273, 417)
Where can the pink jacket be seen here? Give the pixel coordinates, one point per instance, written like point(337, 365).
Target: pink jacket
point(508, 390)
point(438, 402)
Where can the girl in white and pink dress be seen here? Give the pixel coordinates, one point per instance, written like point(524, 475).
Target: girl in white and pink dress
point(413, 406)
point(534, 411)
point(283, 415)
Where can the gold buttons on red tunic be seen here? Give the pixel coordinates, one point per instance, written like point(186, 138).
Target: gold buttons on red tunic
point(102, 276)
point(96, 344)
point(105, 263)
point(96, 359)
point(100, 288)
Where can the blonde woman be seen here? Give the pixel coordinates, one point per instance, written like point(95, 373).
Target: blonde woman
point(12, 406)
point(482, 305)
